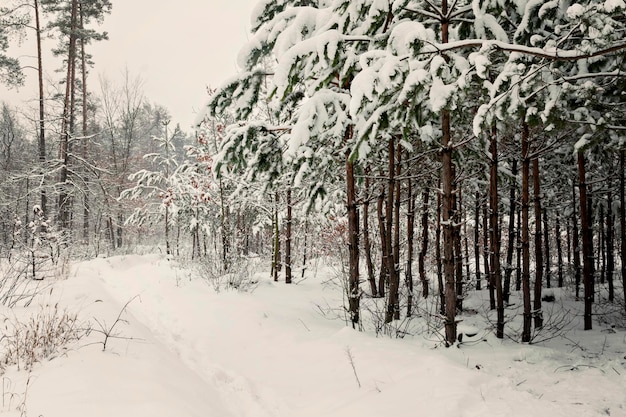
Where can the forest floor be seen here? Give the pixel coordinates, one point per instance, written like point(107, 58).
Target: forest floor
point(166, 342)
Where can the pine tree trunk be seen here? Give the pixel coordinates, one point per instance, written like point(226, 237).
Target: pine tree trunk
point(167, 175)
point(587, 242)
point(518, 249)
point(495, 235)
point(392, 300)
point(225, 245)
point(575, 243)
point(508, 270)
point(602, 246)
point(276, 245)
point(289, 220)
point(610, 245)
point(466, 255)
point(396, 226)
point(622, 219)
point(486, 256)
point(568, 233)
point(67, 122)
point(42, 113)
point(120, 228)
point(525, 234)
point(546, 243)
point(476, 240)
point(353, 238)
point(424, 250)
point(447, 214)
point(539, 264)
point(438, 260)
point(591, 239)
point(367, 246)
point(559, 249)
point(167, 233)
point(383, 278)
point(86, 209)
point(410, 231)
point(458, 255)
point(305, 246)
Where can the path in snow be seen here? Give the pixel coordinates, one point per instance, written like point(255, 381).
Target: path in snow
point(271, 353)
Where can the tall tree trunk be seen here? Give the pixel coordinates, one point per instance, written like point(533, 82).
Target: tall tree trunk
point(447, 179)
point(466, 255)
point(610, 245)
point(568, 233)
point(508, 269)
point(396, 227)
point(447, 216)
point(305, 246)
point(42, 113)
point(289, 220)
point(421, 261)
point(410, 231)
point(602, 245)
point(575, 243)
point(438, 260)
point(383, 278)
point(587, 243)
point(67, 122)
point(84, 140)
point(476, 240)
point(458, 254)
point(518, 249)
point(559, 249)
point(276, 235)
point(486, 256)
point(392, 300)
point(167, 207)
point(367, 246)
point(167, 233)
point(538, 314)
point(495, 234)
point(353, 238)
point(546, 245)
point(622, 218)
point(591, 239)
point(224, 226)
point(525, 234)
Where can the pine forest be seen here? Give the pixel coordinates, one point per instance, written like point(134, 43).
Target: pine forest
point(450, 174)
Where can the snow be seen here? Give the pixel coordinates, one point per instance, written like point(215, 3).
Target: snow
point(185, 349)
point(575, 11)
point(582, 143)
point(481, 62)
point(439, 94)
point(611, 6)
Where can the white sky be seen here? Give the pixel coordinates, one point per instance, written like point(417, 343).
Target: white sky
point(177, 47)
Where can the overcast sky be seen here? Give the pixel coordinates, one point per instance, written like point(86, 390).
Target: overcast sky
point(177, 47)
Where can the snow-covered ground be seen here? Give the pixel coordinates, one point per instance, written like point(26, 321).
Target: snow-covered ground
point(183, 349)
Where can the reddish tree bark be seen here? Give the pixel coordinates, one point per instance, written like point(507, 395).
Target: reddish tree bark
point(353, 238)
point(508, 269)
